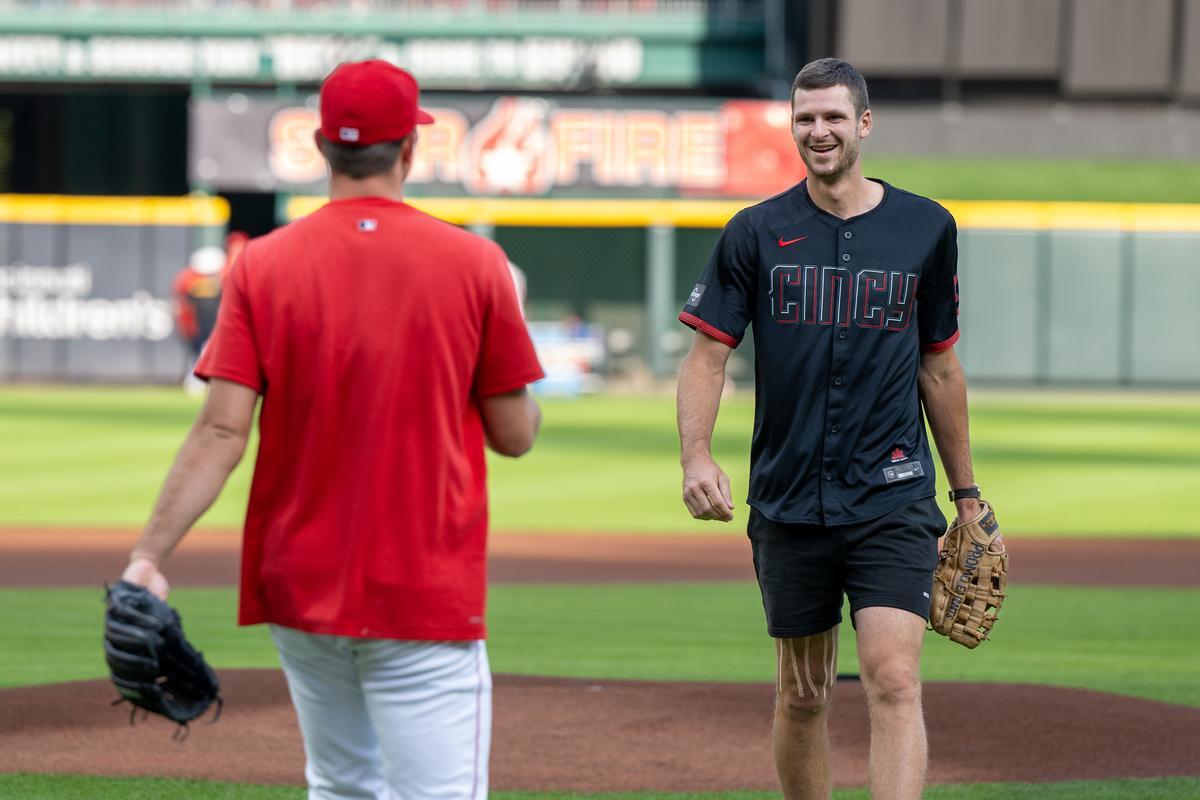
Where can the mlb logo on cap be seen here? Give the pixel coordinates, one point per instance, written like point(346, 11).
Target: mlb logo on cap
point(348, 134)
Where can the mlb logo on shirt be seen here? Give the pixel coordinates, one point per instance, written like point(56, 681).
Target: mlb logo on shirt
point(348, 134)
point(368, 225)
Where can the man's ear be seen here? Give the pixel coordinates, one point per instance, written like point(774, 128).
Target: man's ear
point(864, 124)
point(408, 148)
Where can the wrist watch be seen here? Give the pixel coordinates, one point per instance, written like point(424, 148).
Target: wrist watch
point(963, 494)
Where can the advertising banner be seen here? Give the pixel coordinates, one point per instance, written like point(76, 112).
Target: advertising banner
point(562, 62)
point(85, 285)
point(518, 146)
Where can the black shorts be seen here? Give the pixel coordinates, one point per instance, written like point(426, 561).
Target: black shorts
point(803, 570)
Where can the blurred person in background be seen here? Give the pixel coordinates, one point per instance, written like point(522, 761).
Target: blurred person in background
point(851, 288)
point(235, 242)
point(388, 348)
point(195, 298)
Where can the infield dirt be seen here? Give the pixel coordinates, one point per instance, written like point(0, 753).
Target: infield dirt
point(606, 735)
point(80, 557)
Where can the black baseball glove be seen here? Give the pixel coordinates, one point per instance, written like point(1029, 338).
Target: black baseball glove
point(151, 663)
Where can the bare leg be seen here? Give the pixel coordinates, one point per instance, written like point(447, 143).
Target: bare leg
point(889, 655)
point(805, 677)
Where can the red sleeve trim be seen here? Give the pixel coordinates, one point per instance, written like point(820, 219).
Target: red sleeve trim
point(937, 347)
point(692, 321)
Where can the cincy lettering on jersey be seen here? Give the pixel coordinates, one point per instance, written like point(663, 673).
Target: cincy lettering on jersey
point(816, 295)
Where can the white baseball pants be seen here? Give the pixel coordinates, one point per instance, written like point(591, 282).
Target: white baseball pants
point(384, 719)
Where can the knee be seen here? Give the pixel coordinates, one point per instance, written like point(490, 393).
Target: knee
point(807, 672)
point(798, 708)
point(892, 685)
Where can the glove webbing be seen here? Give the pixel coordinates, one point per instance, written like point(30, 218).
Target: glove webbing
point(982, 604)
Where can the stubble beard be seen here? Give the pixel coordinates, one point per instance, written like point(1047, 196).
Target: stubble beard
point(832, 173)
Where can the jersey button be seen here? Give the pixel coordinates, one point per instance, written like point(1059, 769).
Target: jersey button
point(833, 429)
point(828, 476)
point(837, 381)
point(845, 256)
point(848, 235)
point(841, 334)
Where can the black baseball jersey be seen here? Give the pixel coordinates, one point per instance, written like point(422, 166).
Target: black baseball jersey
point(841, 310)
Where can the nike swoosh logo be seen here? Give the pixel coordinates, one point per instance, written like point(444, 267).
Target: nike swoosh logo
point(782, 243)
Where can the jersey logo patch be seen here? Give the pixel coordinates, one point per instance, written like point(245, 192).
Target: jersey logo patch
point(782, 243)
point(898, 455)
point(696, 294)
point(368, 225)
point(904, 472)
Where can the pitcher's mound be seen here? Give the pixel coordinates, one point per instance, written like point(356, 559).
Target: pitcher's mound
point(607, 735)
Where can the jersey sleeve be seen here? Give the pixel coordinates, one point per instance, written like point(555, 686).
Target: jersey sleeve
point(722, 303)
point(937, 306)
point(232, 351)
point(507, 359)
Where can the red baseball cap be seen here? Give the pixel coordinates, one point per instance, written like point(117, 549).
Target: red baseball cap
point(366, 102)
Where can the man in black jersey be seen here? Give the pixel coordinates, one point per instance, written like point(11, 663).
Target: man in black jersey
point(851, 288)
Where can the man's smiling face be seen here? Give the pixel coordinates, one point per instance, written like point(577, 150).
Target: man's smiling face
point(828, 131)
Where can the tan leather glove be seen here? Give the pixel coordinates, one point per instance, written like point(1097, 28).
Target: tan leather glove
point(969, 580)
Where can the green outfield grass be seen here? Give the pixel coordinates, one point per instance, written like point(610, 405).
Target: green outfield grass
point(1132, 462)
point(692, 632)
point(1105, 180)
point(80, 787)
point(82, 457)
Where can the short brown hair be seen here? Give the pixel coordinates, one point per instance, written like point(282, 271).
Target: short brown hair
point(826, 72)
point(361, 162)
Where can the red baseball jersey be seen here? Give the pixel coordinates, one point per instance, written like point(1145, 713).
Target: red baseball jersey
point(371, 330)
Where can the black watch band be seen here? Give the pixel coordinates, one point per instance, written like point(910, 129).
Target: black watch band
point(962, 494)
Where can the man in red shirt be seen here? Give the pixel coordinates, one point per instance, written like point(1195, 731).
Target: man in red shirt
point(195, 296)
point(387, 347)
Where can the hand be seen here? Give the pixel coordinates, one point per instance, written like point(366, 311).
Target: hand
point(706, 490)
point(969, 508)
point(144, 572)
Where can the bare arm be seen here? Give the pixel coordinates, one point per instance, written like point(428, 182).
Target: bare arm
point(944, 396)
point(511, 421)
point(212, 449)
point(706, 491)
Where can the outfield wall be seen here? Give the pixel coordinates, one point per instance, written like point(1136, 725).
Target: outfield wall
point(1053, 293)
point(1080, 306)
point(85, 284)
point(1080, 292)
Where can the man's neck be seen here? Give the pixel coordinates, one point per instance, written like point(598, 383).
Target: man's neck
point(344, 188)
point(846, 197)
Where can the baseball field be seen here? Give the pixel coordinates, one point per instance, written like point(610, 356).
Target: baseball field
point(628, 643)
